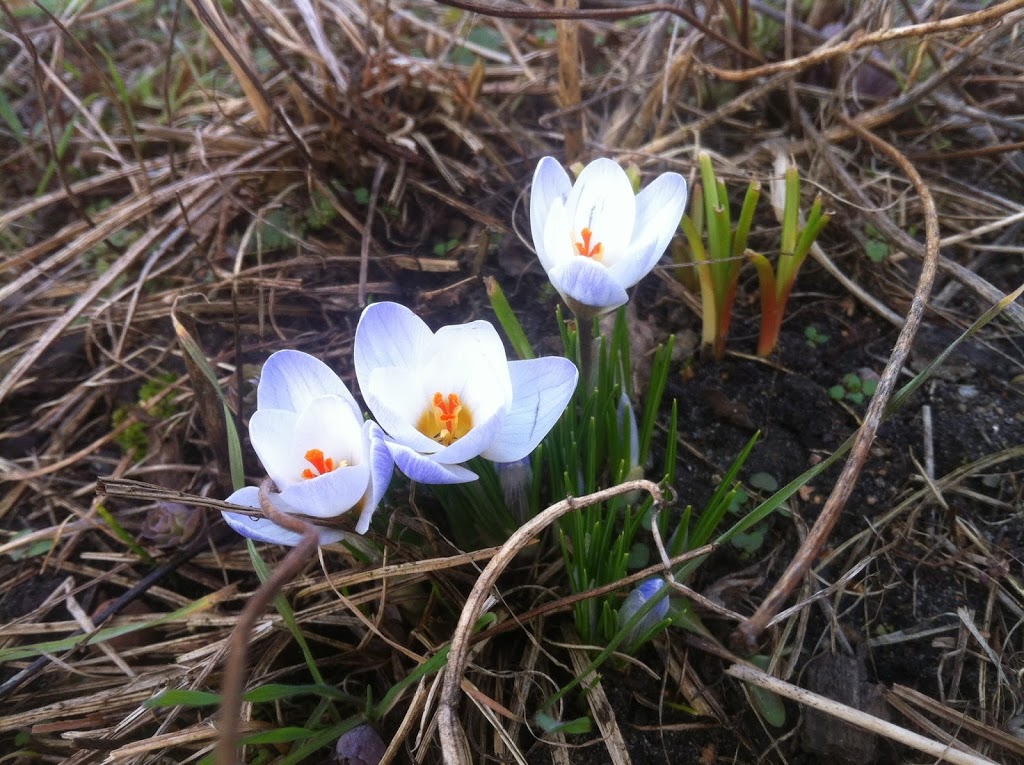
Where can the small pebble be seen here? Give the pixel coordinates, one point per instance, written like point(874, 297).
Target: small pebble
point(967, 391)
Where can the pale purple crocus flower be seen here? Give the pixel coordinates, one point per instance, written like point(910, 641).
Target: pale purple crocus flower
point(446, 397)
point(324, 459)
point(595, 238)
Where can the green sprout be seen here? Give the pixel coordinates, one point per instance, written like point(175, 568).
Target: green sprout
point(718, 263)
point(135, 437)
point(814, 337)
point(444, 248)
point(853, 389)
point(776, 285)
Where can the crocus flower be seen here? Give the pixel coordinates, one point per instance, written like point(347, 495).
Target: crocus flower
point(633, 602)
point(446, 397)
point(310, 436)
point(596, 238)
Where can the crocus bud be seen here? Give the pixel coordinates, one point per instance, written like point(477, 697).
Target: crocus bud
point(627, 424)
point(170, 524)
point(516, 478)
point(633, 602)
point(360, 746)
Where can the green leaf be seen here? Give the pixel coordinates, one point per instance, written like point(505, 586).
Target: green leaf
point(234, 442)
point(279, 691)
point(507, 318)
point(837, 392)
point(29, 551)
point(767, 703)
point(180, 697)
point(876, 250)
point(104, 634)
point(763, 481)
point(277, 736)
point(10, 116)
point(549, 724)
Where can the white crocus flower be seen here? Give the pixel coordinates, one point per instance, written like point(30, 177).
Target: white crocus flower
point(446, 397)
point(596, 238)
point(310, 436)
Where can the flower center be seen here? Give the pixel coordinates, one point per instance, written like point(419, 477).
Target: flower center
point(445, 420)
point(586, 249)
point(321, 464)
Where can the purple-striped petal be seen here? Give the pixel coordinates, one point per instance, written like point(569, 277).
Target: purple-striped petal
point(542, 388)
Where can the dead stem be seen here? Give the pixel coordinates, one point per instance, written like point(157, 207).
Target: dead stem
point(747, 634)
point(233, 683)
point(453, 741)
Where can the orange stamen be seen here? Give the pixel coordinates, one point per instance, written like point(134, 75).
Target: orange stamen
point(447, 413)
point(320, 464)
point(445, 420)
point(586, 249)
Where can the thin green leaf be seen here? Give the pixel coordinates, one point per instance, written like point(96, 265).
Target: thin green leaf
point(234, 442)
point(179, 697)
point(507, 318)
point(106, 633)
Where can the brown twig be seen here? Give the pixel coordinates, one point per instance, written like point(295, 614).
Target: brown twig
point(800, 63)
point(238, 644)
point(503, 9)
point(570, 94)
point(745, 636)
point(451, 733)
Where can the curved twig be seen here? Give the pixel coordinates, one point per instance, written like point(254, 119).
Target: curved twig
point(745, 636)
point(238, 643)
point(504, 9)
point(451, 734)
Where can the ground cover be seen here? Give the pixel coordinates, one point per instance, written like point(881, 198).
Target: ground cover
point(244, 177)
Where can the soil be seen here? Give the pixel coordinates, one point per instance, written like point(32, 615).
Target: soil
point(976, 409)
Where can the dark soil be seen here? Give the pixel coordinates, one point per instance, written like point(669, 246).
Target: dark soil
point(976, 410)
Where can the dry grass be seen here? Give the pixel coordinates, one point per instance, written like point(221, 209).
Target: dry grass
point(262, 174)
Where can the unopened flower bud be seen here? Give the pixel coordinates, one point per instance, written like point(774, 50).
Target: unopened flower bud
point(516, 478)
point(171, 523)
point(360, 746)
point(627, 424)
point(634, 601)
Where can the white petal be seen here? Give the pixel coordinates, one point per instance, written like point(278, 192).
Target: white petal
point(332, 426)
point(262, 530)
point(660, 207)
point(586, 284)
point(602, 200)
point(542, 389)
point(558, 239)
point(481, 382)
point(382, 465)
point(388, 335)
point(474, 344)
point(551, 184)
point(425, 470)
point(331, 494)
point(272, 433)
point(291, 379)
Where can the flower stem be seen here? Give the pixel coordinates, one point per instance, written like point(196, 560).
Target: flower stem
point(585, 336)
